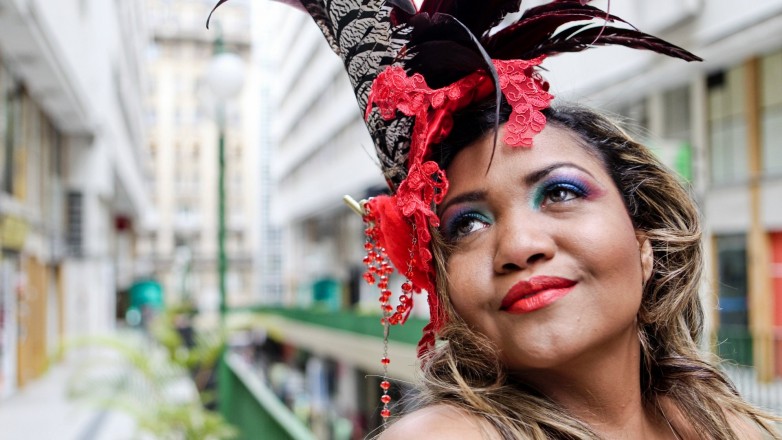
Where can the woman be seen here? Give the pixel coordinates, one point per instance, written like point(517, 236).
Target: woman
point(570, 274)
point(560, 260)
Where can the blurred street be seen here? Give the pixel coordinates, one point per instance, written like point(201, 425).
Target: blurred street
point(43, 411)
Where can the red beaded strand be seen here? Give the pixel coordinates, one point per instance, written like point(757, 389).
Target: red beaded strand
point(378, 271)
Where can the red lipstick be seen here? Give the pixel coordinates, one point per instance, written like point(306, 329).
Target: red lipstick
point(535, 293)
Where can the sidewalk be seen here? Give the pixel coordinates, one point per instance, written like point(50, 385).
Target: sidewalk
point(42, 411)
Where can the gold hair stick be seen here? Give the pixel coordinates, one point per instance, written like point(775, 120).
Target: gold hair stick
point(357, 207)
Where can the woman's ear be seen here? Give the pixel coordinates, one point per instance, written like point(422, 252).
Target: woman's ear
point(647, 256)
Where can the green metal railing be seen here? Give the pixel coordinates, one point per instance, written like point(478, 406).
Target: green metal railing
point(251, 407)
point(363, 324)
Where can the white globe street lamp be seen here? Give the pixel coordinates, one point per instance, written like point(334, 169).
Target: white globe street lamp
point(224, 77)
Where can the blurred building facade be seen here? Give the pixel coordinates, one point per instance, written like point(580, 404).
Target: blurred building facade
point(182, 146)
point(717, 123)
point(72, 187)
point(323, 151)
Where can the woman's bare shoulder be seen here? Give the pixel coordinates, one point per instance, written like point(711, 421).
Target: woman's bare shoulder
point(439, 422)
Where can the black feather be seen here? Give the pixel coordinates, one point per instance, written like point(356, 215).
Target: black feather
point(443, 49)
point(213, 11)
point(444, 62)
point(406, 6)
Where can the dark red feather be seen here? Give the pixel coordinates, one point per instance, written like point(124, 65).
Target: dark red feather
point(443, 49)
point(583, 37)
point(539, 24)
point(478, 16)
point(539, 32)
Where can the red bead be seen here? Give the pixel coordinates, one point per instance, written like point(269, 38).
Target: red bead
point(385, 385)
point(385, 398)
point(385, 361)
point(382, 285)
point(407, 286)
point(388, 308)
point(369, 278)
point(367, 260)
point(404, 299)
point(385, 413)
point(401, 309)
point(368, 246)
point(383, 321)
point(385, 293)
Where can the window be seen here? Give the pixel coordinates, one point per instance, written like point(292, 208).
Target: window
point(84, 8)
point(771, 112)
point(675, 147)
point(151, 117)
point(676, 105)
point(75, 223)
point(727, 126)
point(11, 141)
point(636, 118)
point(734, 338)
point(5, 79)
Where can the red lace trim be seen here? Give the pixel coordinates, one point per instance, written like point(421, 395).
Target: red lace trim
point(527, 93)
point(404, 219)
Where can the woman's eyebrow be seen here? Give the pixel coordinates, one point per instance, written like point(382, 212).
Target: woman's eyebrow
point(538, 175)
point(472, 196)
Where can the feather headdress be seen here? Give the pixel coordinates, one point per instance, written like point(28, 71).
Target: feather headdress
point(412, 68)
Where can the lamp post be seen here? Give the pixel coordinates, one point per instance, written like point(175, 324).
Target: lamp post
point(224, 78)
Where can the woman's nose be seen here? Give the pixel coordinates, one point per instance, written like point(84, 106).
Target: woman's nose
point(522, 244)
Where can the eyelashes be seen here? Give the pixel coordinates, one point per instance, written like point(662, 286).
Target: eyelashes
point(560, 189)
point(463, 222)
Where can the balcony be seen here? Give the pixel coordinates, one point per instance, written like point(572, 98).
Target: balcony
point(252, 400)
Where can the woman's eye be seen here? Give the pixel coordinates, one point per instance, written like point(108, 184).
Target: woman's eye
point(468, 225)
point(465, 224)
point(562, 193)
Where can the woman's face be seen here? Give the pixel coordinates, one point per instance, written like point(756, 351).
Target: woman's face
point(545, 260)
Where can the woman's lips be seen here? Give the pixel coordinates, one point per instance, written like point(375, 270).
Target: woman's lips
point(535, 293)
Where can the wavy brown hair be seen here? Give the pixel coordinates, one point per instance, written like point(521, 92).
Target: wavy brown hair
point(465, 370)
